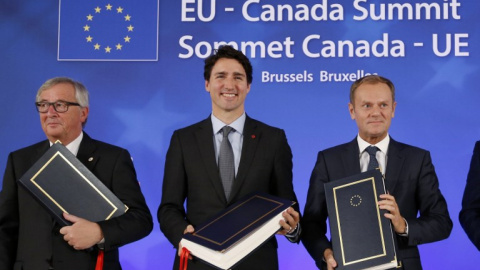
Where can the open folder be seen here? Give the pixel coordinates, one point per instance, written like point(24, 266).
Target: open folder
point(235, 232)
point(61, 183)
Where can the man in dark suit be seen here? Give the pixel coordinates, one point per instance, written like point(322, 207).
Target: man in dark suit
point(470, 213)
point(416, 208)
point(29, 237)
point(263, 162)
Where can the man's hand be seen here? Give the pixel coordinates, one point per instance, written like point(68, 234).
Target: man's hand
point(189, 229)
point(388, 203)
point(291, 219)
point(329, 259)
point(82, 234)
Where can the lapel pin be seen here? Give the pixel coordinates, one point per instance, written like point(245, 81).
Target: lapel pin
point(90, 158)
point(253, 136)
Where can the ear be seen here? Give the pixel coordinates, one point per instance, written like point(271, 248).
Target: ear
point(84, 114)
point(207, 85)
point(393, 108)
point(351, 109)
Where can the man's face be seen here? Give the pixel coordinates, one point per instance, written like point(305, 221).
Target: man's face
point(228, 87)
point(64, 126)
point(373, 109)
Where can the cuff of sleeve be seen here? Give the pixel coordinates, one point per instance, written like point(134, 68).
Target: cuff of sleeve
point(101, 244)
point(295, 234)
point(405, 234)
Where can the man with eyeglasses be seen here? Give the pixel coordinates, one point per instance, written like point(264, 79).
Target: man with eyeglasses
point(29, 237)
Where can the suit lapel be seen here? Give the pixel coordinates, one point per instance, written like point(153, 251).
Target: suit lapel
point(394, 165)
point(251, 137)
point(204, 139)
point(39, 151)
point(351, 163)
point(86, 152)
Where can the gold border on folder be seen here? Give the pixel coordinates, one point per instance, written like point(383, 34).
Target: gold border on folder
point(378, 216)
point(79, 173)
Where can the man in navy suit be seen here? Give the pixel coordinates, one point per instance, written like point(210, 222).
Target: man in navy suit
point(262, 161)
point(416, 207)
point(30, 239)
point(470, 213)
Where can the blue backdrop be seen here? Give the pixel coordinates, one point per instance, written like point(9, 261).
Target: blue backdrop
point(142, 62)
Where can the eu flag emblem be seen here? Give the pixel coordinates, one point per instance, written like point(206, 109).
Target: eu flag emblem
point(108, 30)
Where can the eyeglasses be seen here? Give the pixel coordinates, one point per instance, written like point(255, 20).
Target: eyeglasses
point(58, 106)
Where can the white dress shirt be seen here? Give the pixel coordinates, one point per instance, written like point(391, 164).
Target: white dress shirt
point(381, 155)
point(74, 145)
point(235, 137)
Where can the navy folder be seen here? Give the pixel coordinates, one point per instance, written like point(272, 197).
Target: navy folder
point(232, 234)
point(61, 183)
point(362, 238)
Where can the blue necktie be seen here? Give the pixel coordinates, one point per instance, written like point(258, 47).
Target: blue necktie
point(373, 163)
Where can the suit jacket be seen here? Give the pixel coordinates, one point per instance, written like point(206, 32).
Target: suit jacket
point(470, 213)
point(30, 239)
point(410, 177)
point(191, 174)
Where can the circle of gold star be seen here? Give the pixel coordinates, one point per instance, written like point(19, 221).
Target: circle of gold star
point(355, 200)
point(108, 48)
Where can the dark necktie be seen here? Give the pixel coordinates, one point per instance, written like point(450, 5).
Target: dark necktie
point(226, 164)
point(373, 163)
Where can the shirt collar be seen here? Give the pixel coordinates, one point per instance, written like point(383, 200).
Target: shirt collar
point(238, 124)
point(382, 145)
point(74, 145)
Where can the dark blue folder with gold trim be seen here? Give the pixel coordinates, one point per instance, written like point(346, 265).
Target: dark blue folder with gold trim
point(233, 233)
point(61, 183)
point(362, 238)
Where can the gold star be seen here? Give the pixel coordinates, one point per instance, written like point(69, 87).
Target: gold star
point(128, 17)
point(119, 46)
point(109, 7)
point(98, 9)
point(89, 17)
point(130, 28)
point(86, 28)
point(127, 39)
point(108, 49)
point(96, 46)
point(89, 38)
point(119, 10)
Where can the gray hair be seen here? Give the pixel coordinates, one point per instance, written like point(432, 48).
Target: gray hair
point(81, 92)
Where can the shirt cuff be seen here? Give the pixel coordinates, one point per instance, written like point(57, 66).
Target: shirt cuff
point(406, 229)
point(101, 244)
point(294, 236)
